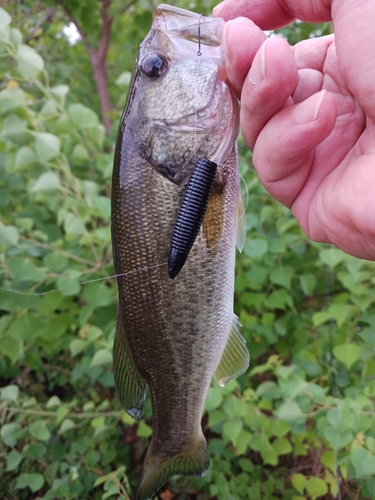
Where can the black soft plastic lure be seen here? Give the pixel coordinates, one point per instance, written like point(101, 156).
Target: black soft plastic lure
point(190, 215)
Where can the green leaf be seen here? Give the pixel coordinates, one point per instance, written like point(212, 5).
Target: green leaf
point(24, 269)
point(26, 327)
point(14, 129)
point(47, 146)
point(68, 285)
point(235, 407)
point(101, 357)
point(10, 433)
point(30, 63)
point(74, 225)
point(15, 36)
point(77, 345)
point(9, 235)
point(242, 442)
point(59, 90)
point(320, 317)
point(282, 276)
point(33, 481)
point(289, 411)
point(25, 156)
point(255, 248)
point(214, 399)
point(347, 353)
point(80, 154)
point(279, 299)
point(46, 182)
point(279, 428)
point(340, 418)
point(316, 487)
point(9, 393)
point(53, 402)
point(308, 283)
point(363, 461)
point(5, 18)
point(298, 482)
point(332, 256)
point(259, 442)
point(55, 262)
point(329, 460)
point(13, 348)
point(269, 390)
point(143, 430)
point(282, 446)
point(231, 430)
point(336, 438)
point(97, 295)
point(39, 430)
point(124, 78)
point(104, 206)
point(11, 100)
point(340, 312)
point(82, 116)
point(13, 460)
point(66, 425)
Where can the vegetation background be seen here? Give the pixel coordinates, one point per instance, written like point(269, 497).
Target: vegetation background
point(298, 425)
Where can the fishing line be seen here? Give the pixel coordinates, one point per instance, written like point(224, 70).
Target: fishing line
point(242, 178)
point(86, 282)
point(332, 377)
point(199, 53)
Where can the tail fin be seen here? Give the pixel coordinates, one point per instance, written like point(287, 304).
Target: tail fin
point(192, 460)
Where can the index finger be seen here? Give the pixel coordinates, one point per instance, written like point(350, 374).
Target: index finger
point(272, 14)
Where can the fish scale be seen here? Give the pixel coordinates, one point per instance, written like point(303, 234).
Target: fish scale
point(174, 335)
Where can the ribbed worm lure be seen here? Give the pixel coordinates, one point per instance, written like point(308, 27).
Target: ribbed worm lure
point(190, 215)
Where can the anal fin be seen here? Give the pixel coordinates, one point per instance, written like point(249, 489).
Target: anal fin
point(130, 385)
point(235, 358)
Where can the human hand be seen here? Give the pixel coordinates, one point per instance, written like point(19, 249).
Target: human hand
point(308, 112)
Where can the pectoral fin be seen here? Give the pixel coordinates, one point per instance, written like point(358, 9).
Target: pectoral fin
point(213, 222)
point(130, 385)
point(235, 358)
point(241, 223)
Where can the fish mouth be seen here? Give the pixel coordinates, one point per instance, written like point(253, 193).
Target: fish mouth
point(192, 124)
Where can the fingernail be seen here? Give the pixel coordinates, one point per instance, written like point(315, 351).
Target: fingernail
point(216, 10)
point(257, 73)
point(307, 111)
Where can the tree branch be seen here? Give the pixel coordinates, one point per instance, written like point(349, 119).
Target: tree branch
point(98, 57)
point(106, 30)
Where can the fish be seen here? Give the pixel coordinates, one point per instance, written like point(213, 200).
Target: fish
point(174, 335)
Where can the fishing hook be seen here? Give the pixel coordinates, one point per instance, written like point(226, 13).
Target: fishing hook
point(199, 53)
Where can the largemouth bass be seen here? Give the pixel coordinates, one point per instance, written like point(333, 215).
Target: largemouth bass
point(173, 335)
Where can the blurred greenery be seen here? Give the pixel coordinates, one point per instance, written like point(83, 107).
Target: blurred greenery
point(300, 418)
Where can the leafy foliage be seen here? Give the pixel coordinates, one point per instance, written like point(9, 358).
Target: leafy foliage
point(302, 414)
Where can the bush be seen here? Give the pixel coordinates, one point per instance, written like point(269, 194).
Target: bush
point(301, 416)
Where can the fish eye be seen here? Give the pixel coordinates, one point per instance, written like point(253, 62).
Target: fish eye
point(154, 65)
